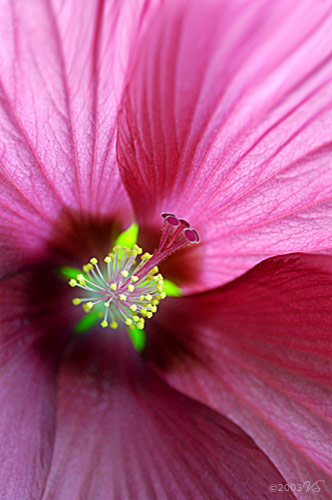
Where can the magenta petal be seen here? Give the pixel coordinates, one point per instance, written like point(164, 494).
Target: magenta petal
point(63, 67)
point(30, 344)
point(259, 350)
point(121, 433)
point(226, 122)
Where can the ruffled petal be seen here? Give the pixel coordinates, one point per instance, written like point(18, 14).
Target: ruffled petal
point(259, 350)
point(62, 72)
point(31, 341)
point(226, 122)
point(121, 433)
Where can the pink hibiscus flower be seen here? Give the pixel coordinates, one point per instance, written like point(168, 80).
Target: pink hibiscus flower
point(216, 111)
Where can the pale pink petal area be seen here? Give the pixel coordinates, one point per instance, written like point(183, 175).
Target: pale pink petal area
point(62, 70)
point(227, 123)
point(31, 340)
point(259, 350)
point(121, 433)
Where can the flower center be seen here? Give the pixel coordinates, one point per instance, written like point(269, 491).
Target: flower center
point(128, 287)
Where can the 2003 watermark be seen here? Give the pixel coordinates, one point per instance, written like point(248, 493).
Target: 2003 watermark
point(307, 487)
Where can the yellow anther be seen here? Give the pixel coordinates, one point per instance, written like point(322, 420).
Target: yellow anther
point(106, 304)
point(131, 327)
point(137, 249)
point(116, 248)
point(160, 288)
point(148, 296)
point(131, 288)
point(149, 315)
point(72, 282)
point(113, 286)
point(86, 308)
point(155, 302)
point(114, 325)
point(123, 297)
point(136, 318)
point(87, 267)
point(153, 309)
point(94, 261)
point(80, 279)
point(133, 307)
point(124, 273)
point(146, 256)
point(89, 305)
point(107, 259)
point(104, 323)
point(140, 324)
point(141, 297)
point(134, 278)
point(163, 295)
point(76, 302)
point(143, 311)
point(128, 321)
point(153, 271)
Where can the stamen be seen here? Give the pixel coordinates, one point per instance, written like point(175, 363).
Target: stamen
point(125, 291)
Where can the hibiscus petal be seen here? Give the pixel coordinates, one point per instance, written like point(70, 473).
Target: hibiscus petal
point(121, 433)
point(62, 67)
point(259, 350)
point(31, 340)
point(226, 122)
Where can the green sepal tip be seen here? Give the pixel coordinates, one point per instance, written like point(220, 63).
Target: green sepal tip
point(87, 322)
point(129, 237)
point(69, 272)
point(138, 338)
point(171, 289)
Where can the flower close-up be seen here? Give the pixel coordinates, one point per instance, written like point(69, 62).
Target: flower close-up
point(166, 249)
